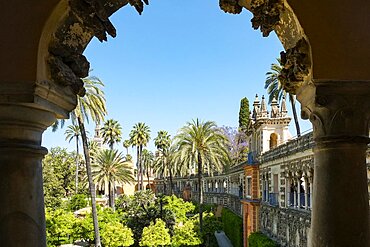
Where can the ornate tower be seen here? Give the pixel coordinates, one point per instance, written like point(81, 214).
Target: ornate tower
point(268, 130)
point(97, 136)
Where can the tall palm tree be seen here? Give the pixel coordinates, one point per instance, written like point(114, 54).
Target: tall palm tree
point(163, 140)
point(110, 167)
point(163, 143)
point(139, 137)
point(73, 132)
point(204, 144)
point(111, 132)
point(126, 144)
point(166, 164)
point(148, 163)
point(275, 89)
point(92, 105)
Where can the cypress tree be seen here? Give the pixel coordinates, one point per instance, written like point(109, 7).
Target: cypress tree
point(244, 114)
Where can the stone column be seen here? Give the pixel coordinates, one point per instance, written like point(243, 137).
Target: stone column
point(295, 197)
point(305, 192)
point(22, 216)
point(340, 113)
point(287, 189)
point(311, 189)
point(299, 192)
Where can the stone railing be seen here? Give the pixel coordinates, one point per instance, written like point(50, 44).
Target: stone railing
point(299, 144)
point(287, 227)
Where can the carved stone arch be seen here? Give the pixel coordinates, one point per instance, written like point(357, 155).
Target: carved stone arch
point(66, 33)
point(278, 16)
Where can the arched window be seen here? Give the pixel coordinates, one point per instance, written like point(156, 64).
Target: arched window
point(273, 140)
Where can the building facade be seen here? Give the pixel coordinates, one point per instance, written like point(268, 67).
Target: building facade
point(273, 190)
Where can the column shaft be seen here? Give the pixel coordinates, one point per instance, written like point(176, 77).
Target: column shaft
point(305, 193)
point(22, 217)
point(340, 198)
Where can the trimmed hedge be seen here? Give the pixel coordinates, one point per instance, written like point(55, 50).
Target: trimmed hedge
point(258, 239)
point(233, 227)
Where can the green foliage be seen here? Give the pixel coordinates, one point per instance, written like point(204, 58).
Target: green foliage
point(59, 227)
point(233, 227)
point(58, 169)
point(257, 239)
point(207, 208)
point(185, 235)
point(115, 234)
point(210, 225)
point(139, 210)
point(112, 132)
point(84, 228)
point(77, 202)
point(155, 235)
point(244, 116)
point(178, 207)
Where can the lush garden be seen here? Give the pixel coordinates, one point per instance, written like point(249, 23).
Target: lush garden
point(139, 220)
point(72, 179)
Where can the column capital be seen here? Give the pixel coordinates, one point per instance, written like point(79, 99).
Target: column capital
point(338, 110)
point(23, 124)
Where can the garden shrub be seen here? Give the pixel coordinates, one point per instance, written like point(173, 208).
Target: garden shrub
point(115, 234)
point(77, 202)
point(210, 225)
point(185, 235)
point(258, 239)
point(155, 235)
point(178, 206)
point(233, 227)
point(59, 227)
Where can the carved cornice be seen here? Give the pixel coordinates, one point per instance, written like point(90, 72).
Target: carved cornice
point(296, 66)
point(230, 6)
point(266, 15)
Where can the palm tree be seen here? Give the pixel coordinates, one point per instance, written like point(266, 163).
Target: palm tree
point(148, 163)
point(163, 143)
point(275, 89)
point(73, 132)
point(93, 150)
point(126, 144)
point(166, 164)
point(110, 167)
point(139, 137)
point(92, 105)
point(111, 132)
point(163, 140)
point(204, 144)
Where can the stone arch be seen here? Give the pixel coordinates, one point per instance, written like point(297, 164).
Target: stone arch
point(72, 24)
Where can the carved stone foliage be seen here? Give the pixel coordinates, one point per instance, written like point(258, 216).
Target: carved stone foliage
point(230, 6)
point(299, 167)
point(340, 111)
point(86, 18)
point(296, 64)
point(266, 14)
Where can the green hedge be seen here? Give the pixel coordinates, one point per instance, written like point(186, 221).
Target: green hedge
point(258, 239)
point(233, 227)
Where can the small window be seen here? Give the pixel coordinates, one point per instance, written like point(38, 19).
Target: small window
point(273, 140)
point(249, 186)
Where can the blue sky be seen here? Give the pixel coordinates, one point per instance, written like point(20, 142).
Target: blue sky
point(178, 61)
